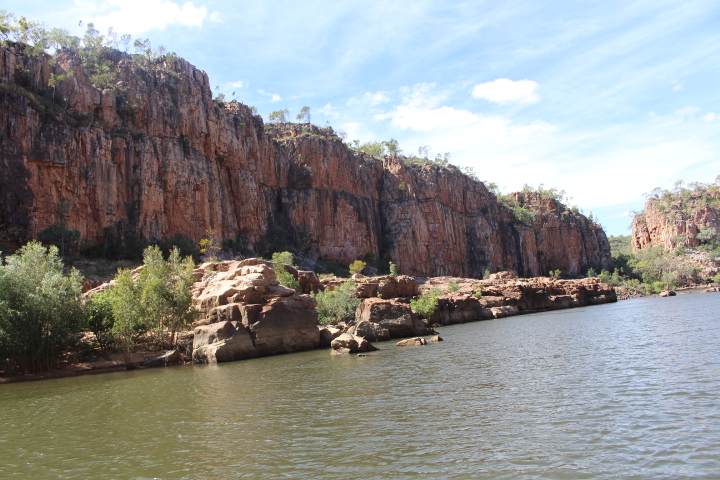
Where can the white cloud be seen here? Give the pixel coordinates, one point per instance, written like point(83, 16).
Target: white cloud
point(274, 97)
point(711, 117)
point(677, 87)
point(356, 130)
point(329, 111)
point(370, 98)
point(687, 111)
point(238, 84)
point(504, 90)
point(139, 16)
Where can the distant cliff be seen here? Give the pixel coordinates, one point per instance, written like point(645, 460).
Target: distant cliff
point(155, 156)
point(684, 217)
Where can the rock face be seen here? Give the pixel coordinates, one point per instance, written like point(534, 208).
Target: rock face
point(249, 314)
point(156, 156)
point(502, 298)
point(379, 319)
point(676, 220)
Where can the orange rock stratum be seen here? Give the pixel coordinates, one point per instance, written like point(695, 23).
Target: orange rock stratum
point(158, 156)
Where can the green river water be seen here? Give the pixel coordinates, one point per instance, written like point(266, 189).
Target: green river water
point(627, 390)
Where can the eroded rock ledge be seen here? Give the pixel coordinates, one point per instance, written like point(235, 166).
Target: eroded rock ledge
point(246, 313)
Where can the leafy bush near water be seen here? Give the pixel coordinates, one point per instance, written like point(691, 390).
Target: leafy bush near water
point(157, 303)
point(41, 311)
point(338, 304)
point(425, 305)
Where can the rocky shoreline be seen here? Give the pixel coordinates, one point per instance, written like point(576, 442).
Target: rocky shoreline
point(245, 313)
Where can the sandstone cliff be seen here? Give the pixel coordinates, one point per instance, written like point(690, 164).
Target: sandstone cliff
point(155, 156)
point(678, 219)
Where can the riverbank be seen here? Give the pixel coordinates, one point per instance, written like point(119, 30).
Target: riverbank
point(245, 313)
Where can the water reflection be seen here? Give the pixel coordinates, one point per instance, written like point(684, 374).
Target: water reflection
point(624, 391)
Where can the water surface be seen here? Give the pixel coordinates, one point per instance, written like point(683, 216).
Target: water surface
point(628, 390)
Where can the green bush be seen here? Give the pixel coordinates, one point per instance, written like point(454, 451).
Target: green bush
point(100, 318)
point(41, 310)
point(338, 304)
point(357, 267)
point(716, 278)
point(280, 259)
point(157, 302)
point(393, 269)
point(453, 286)
point(425, 305)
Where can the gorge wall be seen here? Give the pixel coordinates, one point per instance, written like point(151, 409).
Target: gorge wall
point(156, 155)
point(679, 219)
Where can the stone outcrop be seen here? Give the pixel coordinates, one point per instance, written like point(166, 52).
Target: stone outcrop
point(349, 343)
point(246, 313)
point(380, 319)
point(676, 220)
point(487, 299)
point(408, 342)
point(156, 156)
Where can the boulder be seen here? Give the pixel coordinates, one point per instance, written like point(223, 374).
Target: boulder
point(507, 311)
point(407, 286)
point(411, 342)
point(286, 324)
point(397, 318)
point(436, 338)
point(667, 293)
point(349, 343)
point(369, 330)
point(222, 342)
point(170, 357)
point(328, 333)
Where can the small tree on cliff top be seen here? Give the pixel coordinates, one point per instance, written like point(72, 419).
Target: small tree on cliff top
point(304, 114)
point(279, 116)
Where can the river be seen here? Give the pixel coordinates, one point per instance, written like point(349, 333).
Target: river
point(626, 390)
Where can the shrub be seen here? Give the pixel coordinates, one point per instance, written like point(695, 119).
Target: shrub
point(100, 318)
point(40, 309)
point(486, 274)
point(338, 304)
point(555, 273)
point(591, 273)
point(425, 305)
point(280, 259)
point(393, 269)
point(357, 267)
point(453, 286)
point(157, 302)
point(478, 294)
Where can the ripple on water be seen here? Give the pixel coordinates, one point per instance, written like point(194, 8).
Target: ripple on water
point(628, 390)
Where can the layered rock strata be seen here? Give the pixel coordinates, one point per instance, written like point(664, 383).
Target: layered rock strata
point(155, 156)
point(676, 221)
point(249, 314)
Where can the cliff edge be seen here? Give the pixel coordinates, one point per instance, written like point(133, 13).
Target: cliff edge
point(155, 155)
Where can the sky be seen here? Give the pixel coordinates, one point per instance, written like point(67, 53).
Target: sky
point(604, 100)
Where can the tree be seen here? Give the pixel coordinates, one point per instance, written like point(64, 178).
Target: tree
point(40, 309)
point(304, 114)
point(156, 301)
point(279, 116)
point(392, 147)
point(357, 267)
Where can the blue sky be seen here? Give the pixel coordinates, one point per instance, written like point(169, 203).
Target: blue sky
point(605, 100)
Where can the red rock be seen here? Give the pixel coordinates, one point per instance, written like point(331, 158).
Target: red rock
point(157, 156)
